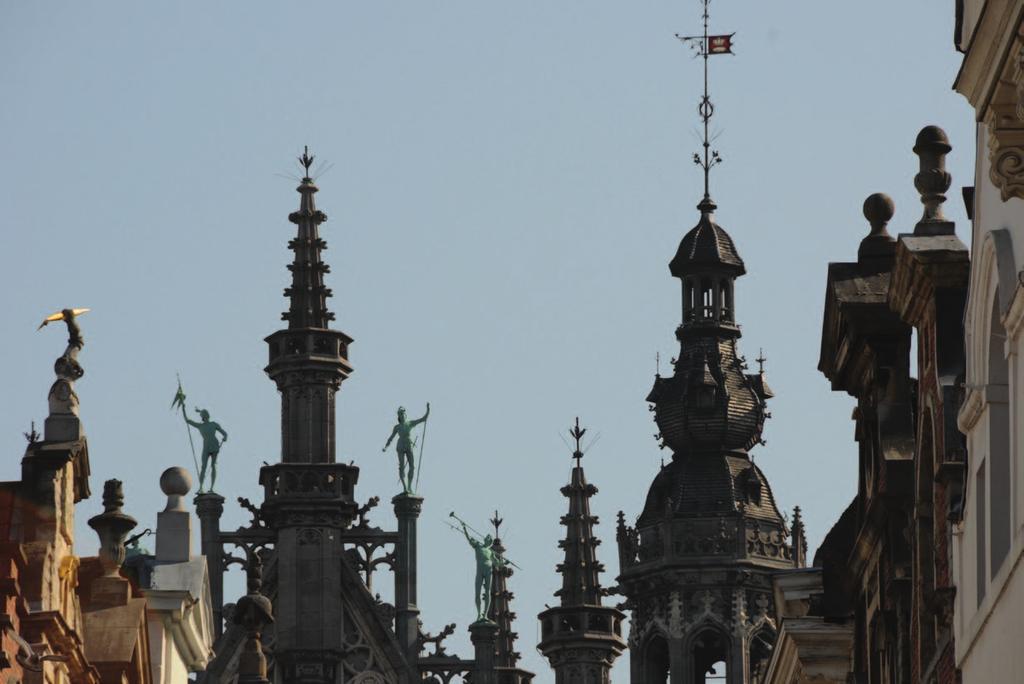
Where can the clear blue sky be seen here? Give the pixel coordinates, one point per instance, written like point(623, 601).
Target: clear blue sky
point(510, 181)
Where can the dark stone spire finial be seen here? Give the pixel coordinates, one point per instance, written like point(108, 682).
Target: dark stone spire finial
point(879, 244)
point(500, 611)
point(253, 612)
point(798, 538)
point(307, 294)
point(932, 180)
point(580, 569)
point(112, 527)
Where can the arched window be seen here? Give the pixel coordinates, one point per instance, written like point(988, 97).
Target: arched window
point(710, 650)
point(761, 646)
point(656, 661)
point(707, 296)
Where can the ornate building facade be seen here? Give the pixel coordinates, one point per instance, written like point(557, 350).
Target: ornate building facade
point(878, 605)
point(988, 543)
point(69, 619)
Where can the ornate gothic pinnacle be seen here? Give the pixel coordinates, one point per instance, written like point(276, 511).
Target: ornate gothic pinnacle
point(501, 604)
point(307, 293)
point(581, 584)
point(253, 612)
point(798, 538)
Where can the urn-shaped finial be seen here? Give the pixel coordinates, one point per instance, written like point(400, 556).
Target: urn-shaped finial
point(932, 180)
point(112, 526)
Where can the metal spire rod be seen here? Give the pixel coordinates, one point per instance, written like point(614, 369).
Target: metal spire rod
point(707, 45)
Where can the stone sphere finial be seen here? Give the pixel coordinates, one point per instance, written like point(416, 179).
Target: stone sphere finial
point(932, 180)
point(878, 210)
point(175, 482)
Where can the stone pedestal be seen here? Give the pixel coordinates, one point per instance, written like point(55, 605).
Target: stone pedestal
point(174, 523)
point(484, 635)
point(407, 511)
point(173, 536)
point(109, 592)
point(62, 428)
point(209, 508)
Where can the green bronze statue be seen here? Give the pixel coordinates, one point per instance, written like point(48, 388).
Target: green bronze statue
point(486, 560)
point(211, 446)
point(208, 430)
point(406, 442)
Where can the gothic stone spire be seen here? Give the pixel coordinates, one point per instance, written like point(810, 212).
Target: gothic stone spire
point(307, 294)
point(506, 656)
point(308, 360)
point(581, 583)
point(580, 632)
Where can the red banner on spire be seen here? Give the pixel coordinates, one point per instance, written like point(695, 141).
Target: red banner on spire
point(720, 45)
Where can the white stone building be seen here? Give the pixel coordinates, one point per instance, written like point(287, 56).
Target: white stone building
point(176, 586)
point(988, 542)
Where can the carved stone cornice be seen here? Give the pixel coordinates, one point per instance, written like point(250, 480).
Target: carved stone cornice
point(992, 79)
point(990, 43)
point(1003, 115)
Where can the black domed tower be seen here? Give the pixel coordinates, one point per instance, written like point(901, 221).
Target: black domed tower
point(696, 568)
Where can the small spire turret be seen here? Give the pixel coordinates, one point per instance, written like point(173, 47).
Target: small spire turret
point(253, 613)
point(581, 582)
point(506, 657)
point(798, 539)
point(580, 631)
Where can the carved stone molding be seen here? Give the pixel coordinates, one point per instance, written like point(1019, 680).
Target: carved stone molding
point(1006, 150)
point(1005, 123)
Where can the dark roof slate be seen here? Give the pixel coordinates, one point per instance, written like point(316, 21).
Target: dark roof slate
point(708, 485)
point(707, 244)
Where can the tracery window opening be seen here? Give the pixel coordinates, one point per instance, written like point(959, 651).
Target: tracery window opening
point(656, 661)
point(761, 646)
point(710, 657)
point(707, 299)
point(727, 302)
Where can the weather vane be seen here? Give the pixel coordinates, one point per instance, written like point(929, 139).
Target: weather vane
point(496, 521)
point(306, 159)
point(761, 358)
point(706, 45)
point(576, 432)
